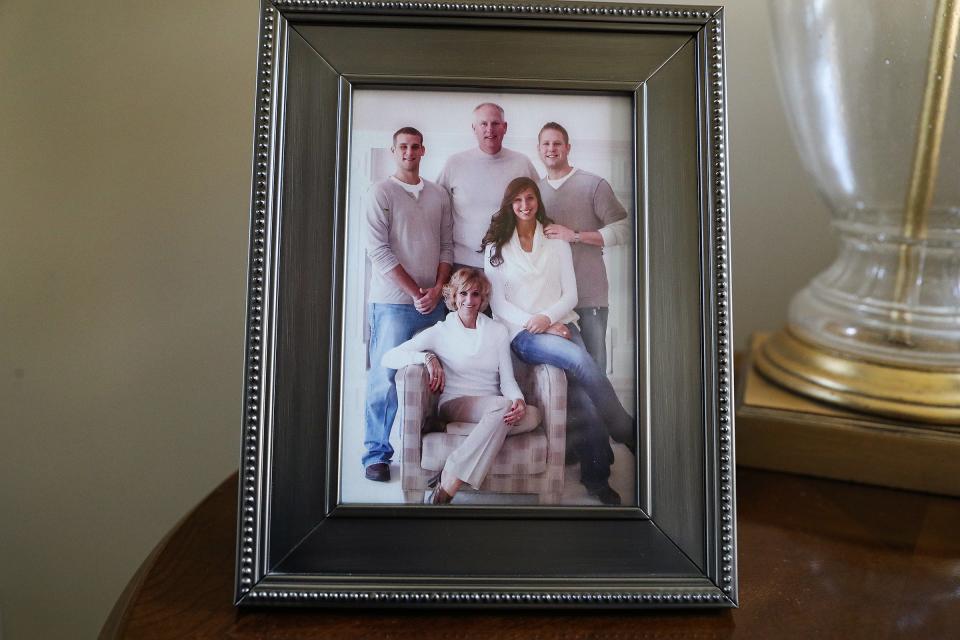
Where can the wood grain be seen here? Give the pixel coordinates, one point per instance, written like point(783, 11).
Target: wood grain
point(819, 559)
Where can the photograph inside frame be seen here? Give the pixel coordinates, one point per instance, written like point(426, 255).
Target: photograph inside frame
point(490, 343)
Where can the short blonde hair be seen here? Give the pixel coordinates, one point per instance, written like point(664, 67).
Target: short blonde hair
point(464, 278)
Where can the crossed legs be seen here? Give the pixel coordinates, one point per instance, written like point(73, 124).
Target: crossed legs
point(471, 461)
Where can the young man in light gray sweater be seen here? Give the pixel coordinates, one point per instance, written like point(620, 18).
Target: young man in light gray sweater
point(587, 214)
point(409, 225)
point(476, 180)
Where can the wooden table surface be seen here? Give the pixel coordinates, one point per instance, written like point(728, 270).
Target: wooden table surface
point(818, 559)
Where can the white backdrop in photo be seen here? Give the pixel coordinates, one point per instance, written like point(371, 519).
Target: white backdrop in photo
point(601, 137)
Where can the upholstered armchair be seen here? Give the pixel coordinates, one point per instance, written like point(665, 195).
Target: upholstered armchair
point(529, 462)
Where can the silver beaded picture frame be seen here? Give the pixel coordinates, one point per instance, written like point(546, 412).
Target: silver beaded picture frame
point(299, 543)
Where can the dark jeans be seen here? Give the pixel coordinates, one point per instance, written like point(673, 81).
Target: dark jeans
point(594, 412)
point(593, 330)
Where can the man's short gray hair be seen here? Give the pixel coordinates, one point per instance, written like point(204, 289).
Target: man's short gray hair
point(490, 104)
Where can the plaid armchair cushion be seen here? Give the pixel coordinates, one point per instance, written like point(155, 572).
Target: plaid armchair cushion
point(529, 462)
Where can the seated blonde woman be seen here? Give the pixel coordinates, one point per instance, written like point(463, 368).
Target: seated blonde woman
point(468, 360)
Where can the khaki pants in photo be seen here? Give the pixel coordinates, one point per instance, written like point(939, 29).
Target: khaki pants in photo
point(471, 461)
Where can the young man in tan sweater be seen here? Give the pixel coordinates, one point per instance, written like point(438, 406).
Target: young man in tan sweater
point(409, 225)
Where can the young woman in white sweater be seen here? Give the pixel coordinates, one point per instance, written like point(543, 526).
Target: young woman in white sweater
point(534, 294)
point(467, 356)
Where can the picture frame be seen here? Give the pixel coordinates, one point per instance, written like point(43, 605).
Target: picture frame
point(299, 543)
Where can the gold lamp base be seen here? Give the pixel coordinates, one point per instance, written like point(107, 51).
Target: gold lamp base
point(780, 430)
point(914, 395)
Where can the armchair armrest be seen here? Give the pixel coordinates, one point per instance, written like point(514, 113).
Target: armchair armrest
point(414, 403)
point(545, 387)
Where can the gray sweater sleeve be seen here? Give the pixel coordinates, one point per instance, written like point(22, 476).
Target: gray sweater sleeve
point(377, 211)
point(531, 170)
point(444, 178)
point(615, 229)
point(605, 204)
point(446, 229)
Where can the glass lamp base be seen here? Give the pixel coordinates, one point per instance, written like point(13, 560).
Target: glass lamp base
point(901, 393)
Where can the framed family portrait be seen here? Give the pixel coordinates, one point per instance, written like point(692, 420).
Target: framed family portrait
point(488, 352)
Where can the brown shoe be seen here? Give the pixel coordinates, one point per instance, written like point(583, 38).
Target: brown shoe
point(378, 472)
point(439, 496)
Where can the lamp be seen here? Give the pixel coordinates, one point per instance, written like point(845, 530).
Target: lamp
point(867, 86)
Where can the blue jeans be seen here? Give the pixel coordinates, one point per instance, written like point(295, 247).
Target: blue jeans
point(593, 330)
point(594, 412)
point(390, 325)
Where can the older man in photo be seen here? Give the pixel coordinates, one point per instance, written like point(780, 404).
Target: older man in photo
point(476, 179)
point(410, 245)
point(587, 214)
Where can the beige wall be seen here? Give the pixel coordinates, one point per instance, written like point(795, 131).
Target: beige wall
point(125, 135)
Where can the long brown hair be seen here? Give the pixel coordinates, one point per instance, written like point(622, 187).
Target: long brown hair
point(503, 223)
